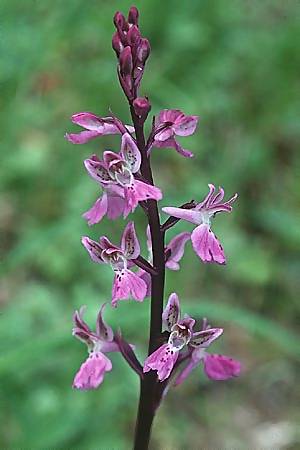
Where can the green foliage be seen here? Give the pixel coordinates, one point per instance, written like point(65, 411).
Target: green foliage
point(233, 63)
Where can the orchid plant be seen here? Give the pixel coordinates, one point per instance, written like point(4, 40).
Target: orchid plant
point(176, 344)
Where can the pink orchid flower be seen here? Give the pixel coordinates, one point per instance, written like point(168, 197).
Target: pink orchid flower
point(126, 283)
point(94, 126)
point(204, 241)
point(116, 173)
point(171, 123)
point(216, 367)
point(165, 357)
point(174, 251)
point(163, 360)
point(92, 371)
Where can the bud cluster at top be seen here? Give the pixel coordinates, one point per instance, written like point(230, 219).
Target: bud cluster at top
point(132, 51)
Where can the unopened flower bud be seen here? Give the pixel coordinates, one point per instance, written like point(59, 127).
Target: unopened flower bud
point(125, 59)
point(117, 44)
point(133, 16)
point(143, 50)
point(119, 21)
point(142, 106)
point(133, 36)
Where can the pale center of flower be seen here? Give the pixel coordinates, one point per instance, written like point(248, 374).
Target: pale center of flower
point(116, 259)
point(179, 337)
point(121, 173)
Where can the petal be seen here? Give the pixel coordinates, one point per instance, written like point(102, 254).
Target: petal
point(82, 137)
point(176, 248)
point(96, 213)
point(184, 373)
point(206, 202)
point(98, 171)
point(172, 265)
point(186, 214)
point(89, 121)
point(207, 246)
point(146, 277)
point(115, 207)
point(144, 191)
point(219, 367)
point(128, 284)
point(130, 152)
point(162, 360)
point(203, 339)
point(164, 134)
point(105, 244)
point(78, 320)
point(93, 248)
point(103, 330)
point(186, 126)
point(91, 372)
point(171, 312)
point(139, 191)
point(172, 143)
point(149, 240)
point(129, 243)
point(169, 115)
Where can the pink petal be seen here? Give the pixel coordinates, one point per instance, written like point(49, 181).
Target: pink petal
point(131, 152)
point(164, 134)
point(107, 245)
point(184, 373)
point(82, 137)
point(176, 247)
point(171, 312)
point(96, 213)
point(103, 330)
point(115, 207)
point(93, 248)
point(146, 191)
point(207, 246)
point(162, 360)
point(98, 171)
point(128, 284)
point(91, 372)
point(203, 339)
point(129, 243)
point(137, 192)
point(172, 143)
point(219, 367)
point(146, 277)
point(89, 121)
point(186, 214)
point(186, 126)
point(169, 115)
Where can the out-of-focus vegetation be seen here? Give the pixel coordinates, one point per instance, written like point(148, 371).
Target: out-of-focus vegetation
point(235, 64)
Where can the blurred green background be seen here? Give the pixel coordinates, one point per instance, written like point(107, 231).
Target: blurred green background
point(234, 63)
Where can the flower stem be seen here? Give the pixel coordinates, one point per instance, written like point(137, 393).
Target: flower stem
point(150, 392)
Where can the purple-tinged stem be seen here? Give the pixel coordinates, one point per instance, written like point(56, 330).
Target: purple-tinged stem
point(150, 392)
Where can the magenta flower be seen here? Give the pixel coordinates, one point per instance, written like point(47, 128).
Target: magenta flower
point(181, 335)
point(111, 203)
point(174, 251)
point(165, 357)
point(126, 283)
point(204, 241)
point(172, 122)
point(216, 367)
point(92, 371)
point(94, 126)
point(117, 173)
